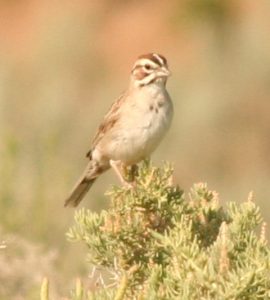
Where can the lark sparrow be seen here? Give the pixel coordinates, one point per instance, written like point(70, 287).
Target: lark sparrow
point(133, 127)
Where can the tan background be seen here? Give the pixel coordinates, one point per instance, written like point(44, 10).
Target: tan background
point(62, 63)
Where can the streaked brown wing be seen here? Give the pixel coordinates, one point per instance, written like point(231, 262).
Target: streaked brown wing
point(108, 122)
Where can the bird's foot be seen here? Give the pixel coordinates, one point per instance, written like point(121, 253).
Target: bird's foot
point(130, 185)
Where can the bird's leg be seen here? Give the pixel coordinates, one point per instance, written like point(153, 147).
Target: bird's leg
point(118, 168)
point(129, 173)
point(133, 172)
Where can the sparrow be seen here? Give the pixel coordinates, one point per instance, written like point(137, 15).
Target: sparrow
point(133, 127)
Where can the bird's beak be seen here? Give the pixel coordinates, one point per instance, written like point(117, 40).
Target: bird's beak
point(164, 72)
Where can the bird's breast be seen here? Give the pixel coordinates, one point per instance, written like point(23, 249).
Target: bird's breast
point(146, 126)
point(143, 124)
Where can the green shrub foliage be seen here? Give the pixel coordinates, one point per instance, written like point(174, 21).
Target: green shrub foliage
point(159, 243)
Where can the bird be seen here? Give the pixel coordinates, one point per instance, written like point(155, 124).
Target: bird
point(133, 127)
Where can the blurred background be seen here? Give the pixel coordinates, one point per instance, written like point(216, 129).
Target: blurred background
point(62, 63)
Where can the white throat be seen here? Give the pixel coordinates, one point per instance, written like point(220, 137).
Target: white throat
point(148, 82)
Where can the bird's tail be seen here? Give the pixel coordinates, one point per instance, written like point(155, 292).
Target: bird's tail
point(83, 185)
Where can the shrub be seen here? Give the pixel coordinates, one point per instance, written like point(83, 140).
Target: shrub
point(158, 243)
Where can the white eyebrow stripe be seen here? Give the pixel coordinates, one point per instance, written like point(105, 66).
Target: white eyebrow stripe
point(158, 58)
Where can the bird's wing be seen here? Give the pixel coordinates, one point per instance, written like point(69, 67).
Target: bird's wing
point(110, 119)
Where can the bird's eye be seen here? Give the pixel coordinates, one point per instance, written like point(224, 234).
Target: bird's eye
point(147, 67)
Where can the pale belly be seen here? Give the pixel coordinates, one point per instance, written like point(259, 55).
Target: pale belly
point(141, 128)
point(139, 139)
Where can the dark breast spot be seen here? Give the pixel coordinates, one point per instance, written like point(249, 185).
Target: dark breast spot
point(160, 104)
point(151, 107)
